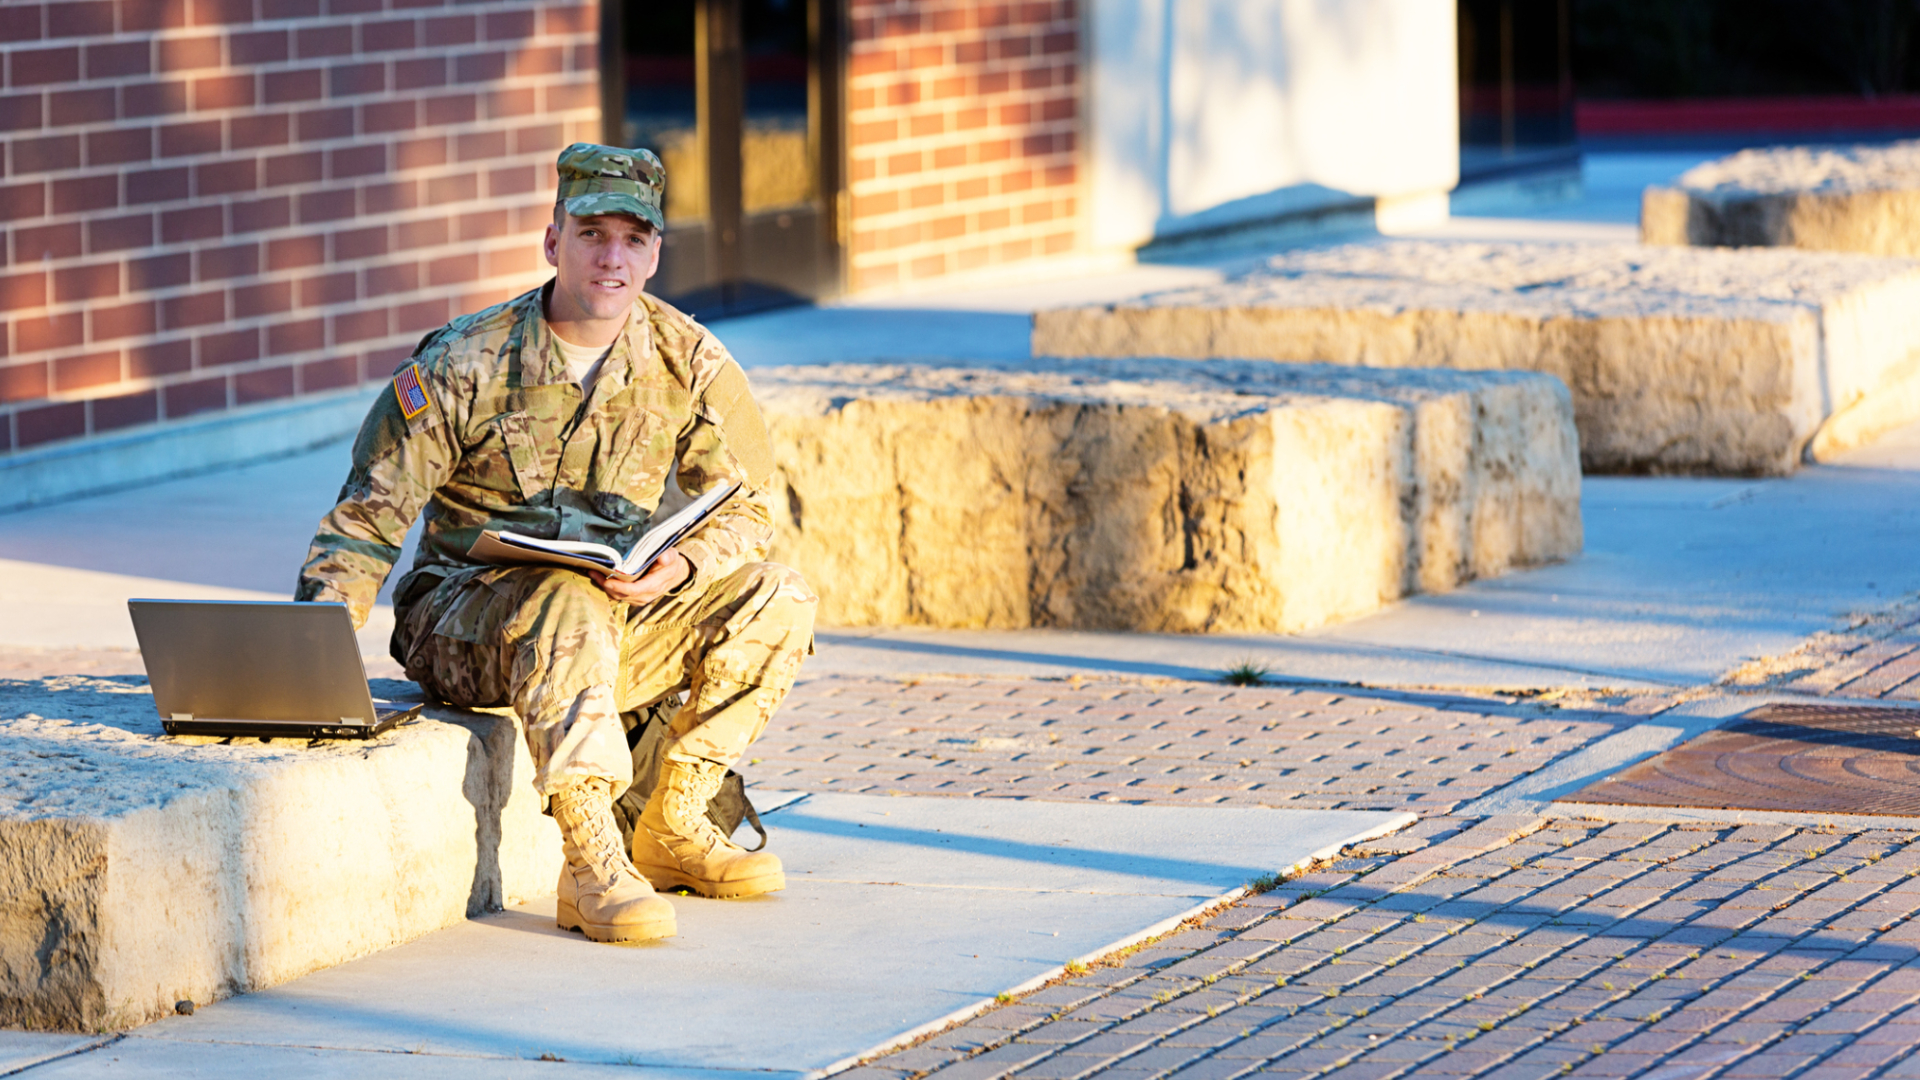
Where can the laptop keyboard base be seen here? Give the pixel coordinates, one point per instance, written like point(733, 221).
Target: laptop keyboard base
point(289, 729)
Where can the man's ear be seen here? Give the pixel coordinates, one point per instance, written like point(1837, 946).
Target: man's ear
point(551, 245)
point(653, 262)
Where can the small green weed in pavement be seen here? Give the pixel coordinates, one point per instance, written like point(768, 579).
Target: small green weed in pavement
point(1246, 673)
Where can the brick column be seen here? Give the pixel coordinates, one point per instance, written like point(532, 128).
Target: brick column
point(213, 203)
point(964, 121)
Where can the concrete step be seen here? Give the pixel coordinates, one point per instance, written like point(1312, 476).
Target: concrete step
point(1821, 198)
point(138, 871)
point(1680, 360)
point(1160, 496)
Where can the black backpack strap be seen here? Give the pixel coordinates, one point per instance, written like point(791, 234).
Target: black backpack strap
point(730, 806)
point(753, 819)
point(647, 740)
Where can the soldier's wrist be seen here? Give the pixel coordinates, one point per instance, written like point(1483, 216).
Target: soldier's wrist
point(690, 572)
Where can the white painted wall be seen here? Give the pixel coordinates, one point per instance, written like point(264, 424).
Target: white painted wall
point(1209, 112)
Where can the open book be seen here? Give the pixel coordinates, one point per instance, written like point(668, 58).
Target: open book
point(506, 548)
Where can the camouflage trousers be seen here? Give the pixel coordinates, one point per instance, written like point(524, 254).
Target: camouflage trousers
point(569, 660)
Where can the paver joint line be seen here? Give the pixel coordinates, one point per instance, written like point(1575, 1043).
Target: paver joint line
point(1656, 993)
point(1257, 745)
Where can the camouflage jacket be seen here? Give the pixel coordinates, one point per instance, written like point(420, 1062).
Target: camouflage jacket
point(505, 441)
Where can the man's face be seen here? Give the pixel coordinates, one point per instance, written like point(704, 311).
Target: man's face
point(602, 262)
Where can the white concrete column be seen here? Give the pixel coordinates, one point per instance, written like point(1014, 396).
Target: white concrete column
point(1208, 113)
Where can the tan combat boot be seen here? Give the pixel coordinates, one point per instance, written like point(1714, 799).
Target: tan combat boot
point(601, 894)
point(676, 845)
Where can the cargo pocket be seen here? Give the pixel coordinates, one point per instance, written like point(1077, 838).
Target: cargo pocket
point(478, 612)
point(452, 649)
point(523, 455)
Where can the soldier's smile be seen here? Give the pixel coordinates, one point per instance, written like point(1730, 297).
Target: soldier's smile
point(602, 263)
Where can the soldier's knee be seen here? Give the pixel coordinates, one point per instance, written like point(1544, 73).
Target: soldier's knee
point(782, 584)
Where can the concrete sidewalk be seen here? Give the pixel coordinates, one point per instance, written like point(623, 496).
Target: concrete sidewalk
point(909, 912)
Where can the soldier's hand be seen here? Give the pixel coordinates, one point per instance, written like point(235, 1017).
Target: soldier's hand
point(671, 569)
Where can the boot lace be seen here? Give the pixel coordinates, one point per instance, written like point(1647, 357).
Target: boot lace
point(585, 815)
point(687, 807)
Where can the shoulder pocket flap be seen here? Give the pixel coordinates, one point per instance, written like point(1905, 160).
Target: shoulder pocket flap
point(730, 403)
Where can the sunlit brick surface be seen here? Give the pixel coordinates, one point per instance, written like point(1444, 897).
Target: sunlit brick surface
point(1582, 949)
point(212, 203)
point(1877, 658)
point(19, 663)
point(1887, 668)
point(1176, 742)
point(963, 124)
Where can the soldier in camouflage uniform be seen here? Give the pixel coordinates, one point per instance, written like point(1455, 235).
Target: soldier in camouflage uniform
point(493, 424)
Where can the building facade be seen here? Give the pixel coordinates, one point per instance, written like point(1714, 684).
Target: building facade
point(221, 208)
point(213, 204)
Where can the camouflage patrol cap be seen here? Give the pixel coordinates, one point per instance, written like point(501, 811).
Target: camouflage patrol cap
point(598, 179)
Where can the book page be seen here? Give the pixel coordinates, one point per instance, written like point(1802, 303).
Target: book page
point(496, 549)
point(508, 548)
point(669, 532)
point(600, 553)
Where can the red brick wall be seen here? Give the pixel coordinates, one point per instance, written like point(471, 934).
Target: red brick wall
point(963, 121)
point(212, 203)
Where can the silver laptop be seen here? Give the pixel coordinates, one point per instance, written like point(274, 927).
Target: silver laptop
point(267, 669)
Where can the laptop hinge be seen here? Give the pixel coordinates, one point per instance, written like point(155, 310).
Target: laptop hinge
point(351, 720)
point(183, 718)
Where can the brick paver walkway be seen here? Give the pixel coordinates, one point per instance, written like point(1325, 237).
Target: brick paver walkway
point(1507, 948)
point(1166, 742)
point(1579, 948)
point(39, 663)
point(1877, 657)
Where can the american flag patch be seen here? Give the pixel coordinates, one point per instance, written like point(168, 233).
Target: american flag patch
point(407, 389)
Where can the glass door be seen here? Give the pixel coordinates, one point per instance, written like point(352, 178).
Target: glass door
point(657, 106)
point(1516, 85)
point(740, 98)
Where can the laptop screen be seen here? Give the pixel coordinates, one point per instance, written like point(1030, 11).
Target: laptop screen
point(253, 660)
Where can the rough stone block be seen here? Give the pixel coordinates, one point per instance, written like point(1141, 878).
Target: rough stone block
point(1860, 198)
point(1679, 359)
point(1161, 496)
point(138, 870)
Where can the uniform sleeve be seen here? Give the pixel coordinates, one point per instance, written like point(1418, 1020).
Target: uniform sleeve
point(398, 463)
point(727, 440)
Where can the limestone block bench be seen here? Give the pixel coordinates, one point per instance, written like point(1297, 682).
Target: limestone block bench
point(138, 870)
point(1679, 359)
point(1160, 496)
point(1852, 198)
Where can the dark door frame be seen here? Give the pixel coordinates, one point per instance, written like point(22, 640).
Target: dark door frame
point(720, 87)
point(720, 71)
point(827, 101)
